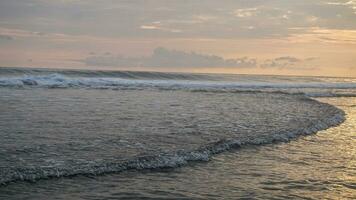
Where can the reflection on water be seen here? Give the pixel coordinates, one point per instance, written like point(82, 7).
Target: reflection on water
point(322, 166)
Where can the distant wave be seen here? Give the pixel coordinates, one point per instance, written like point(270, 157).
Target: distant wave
point(178, 82)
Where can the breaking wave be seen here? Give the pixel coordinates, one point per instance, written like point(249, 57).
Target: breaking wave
point(312, 89)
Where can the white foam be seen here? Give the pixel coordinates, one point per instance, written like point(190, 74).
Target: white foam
point(53, 80)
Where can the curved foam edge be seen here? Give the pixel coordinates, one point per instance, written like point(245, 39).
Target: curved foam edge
point(335, 117)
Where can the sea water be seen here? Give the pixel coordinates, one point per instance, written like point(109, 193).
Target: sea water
point(100, 134)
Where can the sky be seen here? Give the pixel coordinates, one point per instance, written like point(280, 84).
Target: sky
point(283, 37)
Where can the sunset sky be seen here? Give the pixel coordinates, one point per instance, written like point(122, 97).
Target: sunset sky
point(289, 37)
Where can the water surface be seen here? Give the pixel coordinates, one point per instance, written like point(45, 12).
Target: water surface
point(101, 135)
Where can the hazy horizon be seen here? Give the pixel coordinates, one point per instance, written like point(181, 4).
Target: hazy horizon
point(271, 37)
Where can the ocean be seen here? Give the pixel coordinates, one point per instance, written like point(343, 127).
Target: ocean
point(80, 134)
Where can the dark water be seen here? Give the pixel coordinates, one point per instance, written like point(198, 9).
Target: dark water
point(100, 137)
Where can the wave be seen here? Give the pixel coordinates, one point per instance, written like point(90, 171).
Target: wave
point(333, 117)
point(321, 89)
point(62, 81)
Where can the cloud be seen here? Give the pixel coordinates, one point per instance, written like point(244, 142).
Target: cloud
point(213, 19)
point(11, 34)
point(288, 59)
point(325, 35)
point(6, 37)
point(163, 58)
point(157, 27)
point(258, 28)
point(351, 4)
point(149, 27)
point(289, 62)
point(246, 12)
